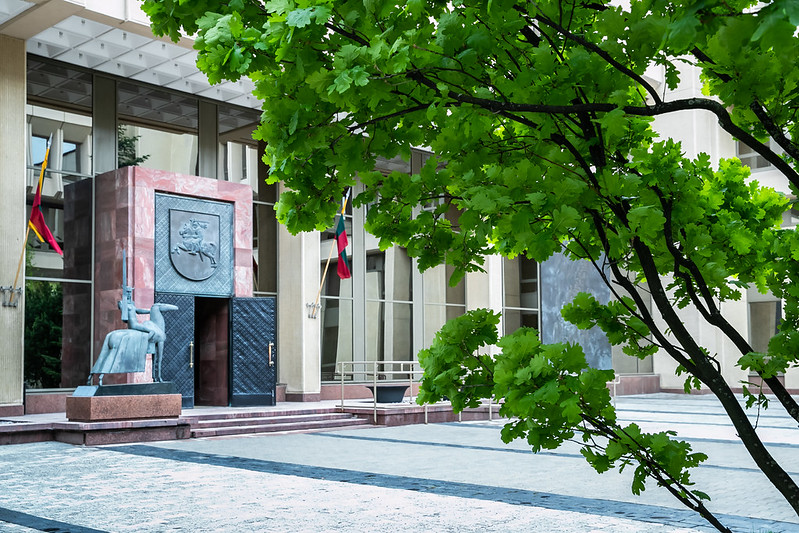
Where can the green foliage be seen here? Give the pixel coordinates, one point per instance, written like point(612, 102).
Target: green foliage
point(540, 118)
point(550, 395)
point(43, 310)
point(126, 149)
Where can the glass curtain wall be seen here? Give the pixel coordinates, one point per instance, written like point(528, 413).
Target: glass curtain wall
point(520, 305)
point(370, 317)
point(58, 301)
point(239, 162)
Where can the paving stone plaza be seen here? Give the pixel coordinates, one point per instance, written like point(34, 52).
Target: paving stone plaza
point(455, 477)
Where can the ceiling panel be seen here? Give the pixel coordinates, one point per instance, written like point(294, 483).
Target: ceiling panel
point(80, 41)
point(11, 8)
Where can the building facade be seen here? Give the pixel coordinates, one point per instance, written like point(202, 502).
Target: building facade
point(89, 75)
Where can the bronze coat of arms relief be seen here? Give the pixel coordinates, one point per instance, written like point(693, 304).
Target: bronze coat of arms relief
point(193, 243)
point(193, 246)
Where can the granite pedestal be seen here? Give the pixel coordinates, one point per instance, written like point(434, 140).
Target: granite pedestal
point(123, 402)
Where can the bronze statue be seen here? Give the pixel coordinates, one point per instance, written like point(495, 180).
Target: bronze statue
point(125, 350)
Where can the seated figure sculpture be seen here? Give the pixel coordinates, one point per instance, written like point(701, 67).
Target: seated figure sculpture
point(125, 350)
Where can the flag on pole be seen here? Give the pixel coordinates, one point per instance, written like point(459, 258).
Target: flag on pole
point(343, 265)
point(36, 221)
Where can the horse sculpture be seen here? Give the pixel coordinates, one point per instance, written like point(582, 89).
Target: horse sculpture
point(125, 350)
point(193, 243)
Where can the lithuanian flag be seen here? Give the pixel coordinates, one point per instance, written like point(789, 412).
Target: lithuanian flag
point(36, 221)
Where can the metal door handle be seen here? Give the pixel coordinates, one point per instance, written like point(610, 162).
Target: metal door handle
point(191, 354)
point(271, 363)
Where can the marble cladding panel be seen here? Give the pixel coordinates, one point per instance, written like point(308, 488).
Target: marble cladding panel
point(242, 231)
point(242, 283)
point(143, 279)
point(45, 403)
point(122, 222)
point(561, 280)
point(122, 194)
point(159, 180)
point(234, 191)
point(243, 257)
point(144, 212)
point(105, 199)
point(105, 230)
point(78, 230)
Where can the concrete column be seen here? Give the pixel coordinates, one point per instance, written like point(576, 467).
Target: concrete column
point(12, 220)
point(299, 355)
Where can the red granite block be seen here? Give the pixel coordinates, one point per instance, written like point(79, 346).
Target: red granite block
point(106, 408)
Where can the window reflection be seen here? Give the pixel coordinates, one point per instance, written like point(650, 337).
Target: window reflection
point(239, 156)
point(389, 320)
point(336, 322)
point(764, 323)
point(520, 294)
point(58, 312)
point(163, 126)
point(389, 332)
point(68, 162)
point(442, 302)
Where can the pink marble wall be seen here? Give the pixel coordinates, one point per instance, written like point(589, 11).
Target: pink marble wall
point(125, 214)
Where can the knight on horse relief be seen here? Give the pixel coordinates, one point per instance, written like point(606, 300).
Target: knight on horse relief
point(193, 248)
point(193, 234)
point(125, 350)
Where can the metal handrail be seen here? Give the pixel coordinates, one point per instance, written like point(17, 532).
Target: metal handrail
point(413, 369)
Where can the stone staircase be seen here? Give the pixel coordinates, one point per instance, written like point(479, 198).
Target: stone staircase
point(251, 422)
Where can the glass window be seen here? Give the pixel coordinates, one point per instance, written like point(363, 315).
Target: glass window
point(337, 305)
point(264, 249)
point(335, 318)
point(520, 294)
point(68, 162)
point(58, 289)
point(240, 161)
point(58, 85)
point(441, 302)
point(43, 328)
point(336, 322)
point(239, 155)
point(389, 291)
point(389, 332)
point(160, 126)
point(764, 323)
point(752, 159)
point(790, 219)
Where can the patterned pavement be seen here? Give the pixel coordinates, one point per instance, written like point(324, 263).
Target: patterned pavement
point(439, 477)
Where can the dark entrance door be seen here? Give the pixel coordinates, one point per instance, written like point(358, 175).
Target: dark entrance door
point(253, 363)
point(211, 351)
point(178, 363)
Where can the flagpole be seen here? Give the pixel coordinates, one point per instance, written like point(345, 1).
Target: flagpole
point(324, 275)
point(327, 264)
point(28, 225)
point(19, 265)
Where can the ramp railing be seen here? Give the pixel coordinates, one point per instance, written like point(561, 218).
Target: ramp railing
point(379, 374)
